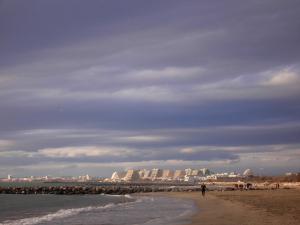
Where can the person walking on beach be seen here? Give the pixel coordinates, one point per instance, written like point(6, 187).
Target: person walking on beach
point(203, 189)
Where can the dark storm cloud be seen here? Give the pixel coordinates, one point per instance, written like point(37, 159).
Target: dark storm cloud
point(153, 77)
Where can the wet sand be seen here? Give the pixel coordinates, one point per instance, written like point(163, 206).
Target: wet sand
point(264, 207)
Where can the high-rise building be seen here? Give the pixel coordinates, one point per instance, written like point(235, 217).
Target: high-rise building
point(156, 173)
point(115, 176)
point(205, 171)
point(147, 174)
point(195, 173)
point(179, 174)
point(132, 175)
point(142, 173)
point(188, 172)
point(248, 173)
point(167, 174)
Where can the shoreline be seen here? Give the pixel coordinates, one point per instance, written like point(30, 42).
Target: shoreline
point(85, 209)
point(253, 207)
point(276, 207)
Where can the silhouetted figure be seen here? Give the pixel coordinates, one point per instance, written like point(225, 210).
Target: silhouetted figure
point(203, 189)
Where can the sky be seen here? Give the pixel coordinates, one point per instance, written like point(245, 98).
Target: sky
point(97, 86)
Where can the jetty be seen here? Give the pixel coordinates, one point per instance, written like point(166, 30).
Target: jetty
point(99, 189)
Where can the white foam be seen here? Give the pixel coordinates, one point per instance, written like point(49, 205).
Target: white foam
point(129, 196)
point(126, 196)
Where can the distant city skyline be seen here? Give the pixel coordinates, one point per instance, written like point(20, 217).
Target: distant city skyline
point(90, 87)
point(153, 174)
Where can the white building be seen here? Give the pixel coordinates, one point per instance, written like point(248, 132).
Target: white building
point(195, 173)
point(205, 171)
point(115, 176)
point(234, 175)
point(248, 173)
point(132, 175)
point(179, 175)
point(84, 178)
point(190, 179)
point(188, 171)
point(147, 174)
point(142, 173)
point(156, 174)
point(212, 177)
point(167, 174)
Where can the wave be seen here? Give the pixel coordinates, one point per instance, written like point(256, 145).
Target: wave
point(156, 217)
point(60, 214)
point(129, 196)
point(126, 196)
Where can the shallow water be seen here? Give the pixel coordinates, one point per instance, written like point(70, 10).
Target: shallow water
point(92, 210)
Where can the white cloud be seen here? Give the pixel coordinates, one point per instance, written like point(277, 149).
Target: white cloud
point(188, 150)
point(166, 73)
point(17, 154)
point(282, 77)
point(84, 151)
point(6, 143)
point(143, 138)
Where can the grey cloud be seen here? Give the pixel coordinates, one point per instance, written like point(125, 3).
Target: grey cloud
point(155, 76)
point(87, 154)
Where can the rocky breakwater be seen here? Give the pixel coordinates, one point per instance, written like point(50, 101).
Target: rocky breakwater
point(81, 190)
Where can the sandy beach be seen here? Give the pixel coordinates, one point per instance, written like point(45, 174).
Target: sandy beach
point(276, 207)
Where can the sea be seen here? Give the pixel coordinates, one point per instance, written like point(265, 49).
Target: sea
point(48, 209)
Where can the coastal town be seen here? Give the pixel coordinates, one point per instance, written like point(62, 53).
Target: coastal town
point(188, 175)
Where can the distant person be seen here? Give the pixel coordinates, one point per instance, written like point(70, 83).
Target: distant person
point(203, 189)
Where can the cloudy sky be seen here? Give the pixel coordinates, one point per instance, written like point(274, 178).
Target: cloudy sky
point(96, 86)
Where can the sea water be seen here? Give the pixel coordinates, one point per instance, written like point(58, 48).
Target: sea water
point(93, 210)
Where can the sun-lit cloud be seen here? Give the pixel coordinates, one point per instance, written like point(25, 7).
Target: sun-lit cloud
point(143, 138)
point(5, 144)
point(283, 77)
point(84, 151)
point(165, 74)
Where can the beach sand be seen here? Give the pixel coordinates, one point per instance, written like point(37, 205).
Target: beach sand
point(276, 207)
